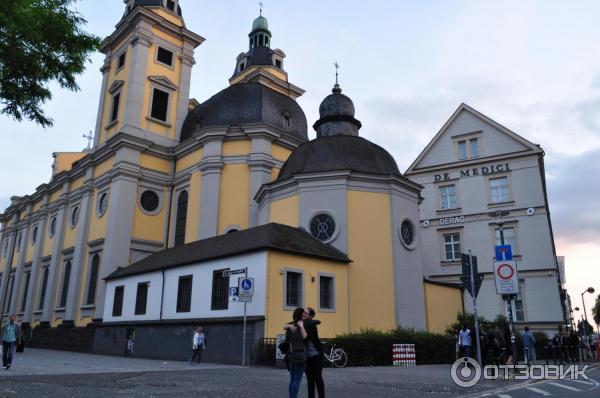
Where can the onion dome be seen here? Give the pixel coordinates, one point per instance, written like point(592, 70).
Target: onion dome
point(336, 115)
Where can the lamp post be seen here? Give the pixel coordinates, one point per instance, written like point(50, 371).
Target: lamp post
point(499, 215)
point(588, 290)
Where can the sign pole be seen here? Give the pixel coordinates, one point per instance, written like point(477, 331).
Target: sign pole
point(244, 329)
point(474, 297)
point(509, 300)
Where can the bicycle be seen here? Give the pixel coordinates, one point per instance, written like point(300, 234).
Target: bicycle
point(337, 357)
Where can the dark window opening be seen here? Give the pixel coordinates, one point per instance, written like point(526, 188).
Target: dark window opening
point(149, 201)
point(181, 220)
point(220, 291)
point(65, 285)
point(118, 301)
point(91, 295)
point(141, 298)
point(34, 236)
point(115, 107)
point(160, 102)
point(184, 294)
point(278, 63)
point(164, 56)
point(293, 289)
point(326, 292)
point(25, 290)
point(43, 291)
point(121, 60)
point(171, 5)
point(287, 121)
point(242, 66)
point(11, 285)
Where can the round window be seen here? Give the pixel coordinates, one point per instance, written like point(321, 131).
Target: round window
point(407, 234)
point(322, 227)
point(74, 216)
point(149, 201)
point(102, 203)
point(34, 235)
point(53, 226)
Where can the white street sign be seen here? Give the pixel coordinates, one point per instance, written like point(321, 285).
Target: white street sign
point(506, 276)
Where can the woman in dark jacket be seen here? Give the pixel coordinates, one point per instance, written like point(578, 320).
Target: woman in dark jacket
point(295, 337)
point(314, 355)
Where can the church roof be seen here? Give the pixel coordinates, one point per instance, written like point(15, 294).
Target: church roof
point(151, 3)
point(246, 103)
point(277, 237)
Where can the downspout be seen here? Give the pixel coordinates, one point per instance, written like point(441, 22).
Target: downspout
point(162, 294)
point(558, 281)
point(168, 231)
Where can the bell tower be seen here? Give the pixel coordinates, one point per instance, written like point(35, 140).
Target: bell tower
point(146, 73)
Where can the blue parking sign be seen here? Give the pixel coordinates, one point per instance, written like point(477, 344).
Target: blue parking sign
point(504, 252)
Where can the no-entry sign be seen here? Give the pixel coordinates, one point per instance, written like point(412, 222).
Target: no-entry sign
point(507, 279)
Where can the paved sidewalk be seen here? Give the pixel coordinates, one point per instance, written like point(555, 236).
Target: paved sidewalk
point(35, 361)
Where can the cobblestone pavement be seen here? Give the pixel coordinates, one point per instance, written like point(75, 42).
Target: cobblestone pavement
point(46, 373)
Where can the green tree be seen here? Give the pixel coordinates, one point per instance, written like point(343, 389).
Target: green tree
point(40, 41)
point(596, 311)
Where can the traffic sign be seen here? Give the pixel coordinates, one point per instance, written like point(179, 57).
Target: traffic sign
point(466, 280)
point(246, 286)
point(234, 294)
point(230, 272)
point(504, 252)
point(506, 277)
point(466, 268)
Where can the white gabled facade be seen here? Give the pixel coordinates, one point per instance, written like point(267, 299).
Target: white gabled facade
point(473, 167)
point(165, 300)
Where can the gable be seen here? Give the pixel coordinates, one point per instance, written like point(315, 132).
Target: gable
point(466, 123)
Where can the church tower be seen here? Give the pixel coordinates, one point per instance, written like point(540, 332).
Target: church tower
point(146, 73)
point(263, 65)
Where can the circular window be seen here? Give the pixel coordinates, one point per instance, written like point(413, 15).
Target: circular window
point(53, 226)
point(74, 216)
point(102, 203)
point(322, 227)
point(407, 234)
point(34, 235)
point(149, 201)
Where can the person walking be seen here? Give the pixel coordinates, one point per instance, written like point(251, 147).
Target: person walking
point(528, 346)
point(314, 355)
point(295, 337)
point(199, 345)
point(11, 336)
point(464, 340)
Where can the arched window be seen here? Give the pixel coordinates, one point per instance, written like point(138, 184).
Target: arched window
point(65, 285)
point(43, 291)
point(95, 265)
point(180, 221)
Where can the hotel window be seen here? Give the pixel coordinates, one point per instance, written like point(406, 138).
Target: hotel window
point(462, 150)
point(474, 147)
point(518, 306)
point(160, 105)
point(184, 294)
point(220, 291)
point(326, 293)
point(114, 113)
point(293, 289)
point(95, 265)
point(448, 197)
point(25, 290)
point(65, 286)
point(499, 189)
point(452, 247)
point(181, 218)
point(118, 301)
point(509, 236)
point(43, 290)
point(164, 56)
point(141, 298)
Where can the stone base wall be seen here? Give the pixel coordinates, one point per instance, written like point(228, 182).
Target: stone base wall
point(79, 339)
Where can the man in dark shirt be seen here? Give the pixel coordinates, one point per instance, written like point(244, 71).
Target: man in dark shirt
point(314, 355)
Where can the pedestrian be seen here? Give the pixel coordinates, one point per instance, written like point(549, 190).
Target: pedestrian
point(528, 346)
point(11, 336)
point(457, 343)
point(314, 355)
point(199, 345)
point(508, 344)
point(295, 336)
point(464, 339)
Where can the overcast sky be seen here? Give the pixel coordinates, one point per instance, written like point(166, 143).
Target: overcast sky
point(532, 66)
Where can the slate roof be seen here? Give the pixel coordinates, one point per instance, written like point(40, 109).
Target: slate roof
point(152, 3)
point(247, 103)
point(277, 237)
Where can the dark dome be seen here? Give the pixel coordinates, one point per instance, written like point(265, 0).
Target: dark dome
point(339, 152)
point(150, 3)
point(336, 104)
point(247, 103)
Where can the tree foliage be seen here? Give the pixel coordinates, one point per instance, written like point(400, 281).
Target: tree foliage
point(40, 41)
point(596, 310)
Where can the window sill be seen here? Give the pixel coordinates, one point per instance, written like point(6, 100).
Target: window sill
point(38, 312)
point(87, 307)
point(448, 262)
point(327, 310)
point(60, 309)
point(111, 124)
point(501, 204)
point(158, 121)
point(449, 211)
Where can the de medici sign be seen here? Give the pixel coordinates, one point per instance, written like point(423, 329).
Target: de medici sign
point(475, 171)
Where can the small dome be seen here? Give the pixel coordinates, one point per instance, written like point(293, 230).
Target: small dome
point(336, 104)
point(339, 153)
point(260, 23)
point(336, 115)
point(247, 103)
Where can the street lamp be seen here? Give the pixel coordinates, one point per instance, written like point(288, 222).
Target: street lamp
point(588, 290)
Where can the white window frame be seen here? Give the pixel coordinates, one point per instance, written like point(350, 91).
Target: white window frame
point(286, 271)
point(504, 198)
point(441, 196)
point(444, 243)
point(333, 292)
point(474, 154)
point(520, 298)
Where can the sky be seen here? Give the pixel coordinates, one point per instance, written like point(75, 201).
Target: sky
point(532, 66)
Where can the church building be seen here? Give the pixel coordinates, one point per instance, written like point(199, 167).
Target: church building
point(135, 238)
